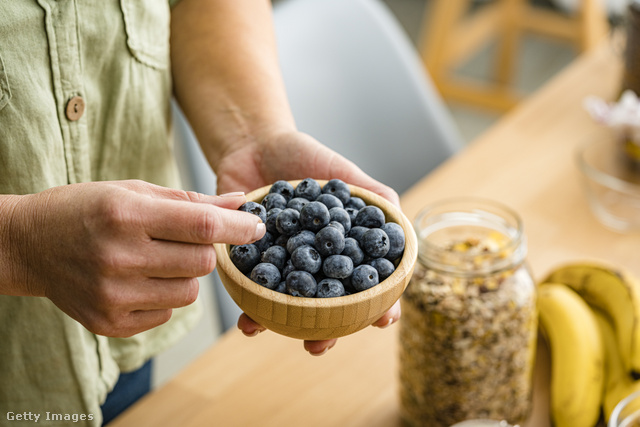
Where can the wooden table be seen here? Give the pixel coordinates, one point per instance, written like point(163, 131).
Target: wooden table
point(526, 161)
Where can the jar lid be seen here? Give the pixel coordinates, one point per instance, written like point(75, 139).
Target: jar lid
point(483, 423)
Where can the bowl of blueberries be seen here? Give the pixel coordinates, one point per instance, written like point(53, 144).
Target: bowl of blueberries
point(335, 257)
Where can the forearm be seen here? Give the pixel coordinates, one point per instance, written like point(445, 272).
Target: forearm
point(226, 73)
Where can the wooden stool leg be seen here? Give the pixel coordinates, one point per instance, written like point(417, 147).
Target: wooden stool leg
point(594, 25)
point(512, 12)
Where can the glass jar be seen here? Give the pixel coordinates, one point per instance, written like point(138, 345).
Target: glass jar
point(626, 412)
point(469, 321)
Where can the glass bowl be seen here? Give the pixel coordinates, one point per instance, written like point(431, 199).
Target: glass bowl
point(611, 180)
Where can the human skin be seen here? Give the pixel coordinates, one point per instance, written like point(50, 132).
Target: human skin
point(228, 83)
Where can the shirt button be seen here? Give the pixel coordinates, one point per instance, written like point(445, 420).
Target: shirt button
point(75, 108)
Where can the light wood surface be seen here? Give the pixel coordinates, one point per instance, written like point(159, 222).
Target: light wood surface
point(451, 34)
point(527, 161)
point(321, 318)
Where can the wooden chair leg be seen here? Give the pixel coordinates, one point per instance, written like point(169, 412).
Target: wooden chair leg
point(509, 40)
point(593, 24)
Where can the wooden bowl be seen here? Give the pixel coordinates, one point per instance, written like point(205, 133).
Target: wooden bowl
point(321, 318)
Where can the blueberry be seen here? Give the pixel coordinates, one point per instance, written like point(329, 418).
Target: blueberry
point(352, 250)
point(288, 222)
point(283, 188)
point(297, 203)
point(245, 257)
point(274, 200)
point(265, 242)
point(370, 216)
point(288, 268)
point(276, 255)
point(329, 241)
point(266, 274)
point(306, 258)
point(342, 216)
point(282, 287)
point(357, 232)
point(396, 240)
point(364, 277)
point(339, 189)
point(308, 189)
point(329, 201)
point(383, 266)
point(301, 284)
point(355, 203)
point(337, 266)
point(348, 286)
point(271, 220)
point(330, 288)
point(256, 209)
point(314, 216)
point(301, 238)
point(337, 226)
point(281, 240)
point(375, 243)
point(353, 213)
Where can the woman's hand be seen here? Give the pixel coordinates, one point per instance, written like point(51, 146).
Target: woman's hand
point(294, 155)
point(116, 256)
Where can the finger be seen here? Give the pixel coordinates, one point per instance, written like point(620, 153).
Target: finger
point(390, 317)
point(154, 294)
point(200, 223)
point(248, 326)
point(318, 348)
point(166, 259)
point(231, 200)
point(130, 324)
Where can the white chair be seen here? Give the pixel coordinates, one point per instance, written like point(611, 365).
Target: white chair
point(356, 83)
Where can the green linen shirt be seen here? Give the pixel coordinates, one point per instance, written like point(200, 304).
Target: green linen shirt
point(114, 54)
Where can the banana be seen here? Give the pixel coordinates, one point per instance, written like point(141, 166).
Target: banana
point(617, 293)
point(618, 384)
point(577, 356)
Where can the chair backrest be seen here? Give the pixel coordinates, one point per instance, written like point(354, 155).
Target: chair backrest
point(356, 83)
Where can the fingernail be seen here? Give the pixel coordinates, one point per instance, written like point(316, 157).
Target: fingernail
point(234, 194)
point(389, 323)
point(321, 353)
point(260, 230)
point(253, 334)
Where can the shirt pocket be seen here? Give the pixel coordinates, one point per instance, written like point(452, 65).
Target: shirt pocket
point(5, 91)
point(147, 24)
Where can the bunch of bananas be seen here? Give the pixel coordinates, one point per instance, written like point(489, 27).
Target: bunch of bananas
point(590, 316)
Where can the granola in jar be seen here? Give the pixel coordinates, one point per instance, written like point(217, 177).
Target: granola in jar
point(468, 328)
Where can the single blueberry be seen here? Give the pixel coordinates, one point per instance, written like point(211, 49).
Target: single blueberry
point(265, 242)
point(364, 277)
point(370, 216)
point(342, 216)
point(284, 188)
point(276, 255)
point(355, 203)
point(353, 250)
point(396, 240)
point(245, 257)
point(306, 258)
point(301, 238)
point(288, 268)
point(383, 266)
point(330, 201)
point(308, 189)
point(357, 232)
point(282, 287)
point(288, 222)
point(281, 240)
point(337, 266)
point(348, 286)
point(314, 216)
point(274, 200)
point(337, 188)
point(256, 209)
point(337, 226)
point(330, 288)
point(375, 243)
point(266, 274)
point(297, 203)
point(271, 221)
point(329, 241)
point(301, 284)
point(353, 213)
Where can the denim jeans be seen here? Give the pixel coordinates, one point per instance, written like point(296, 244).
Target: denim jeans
point(130, 387)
